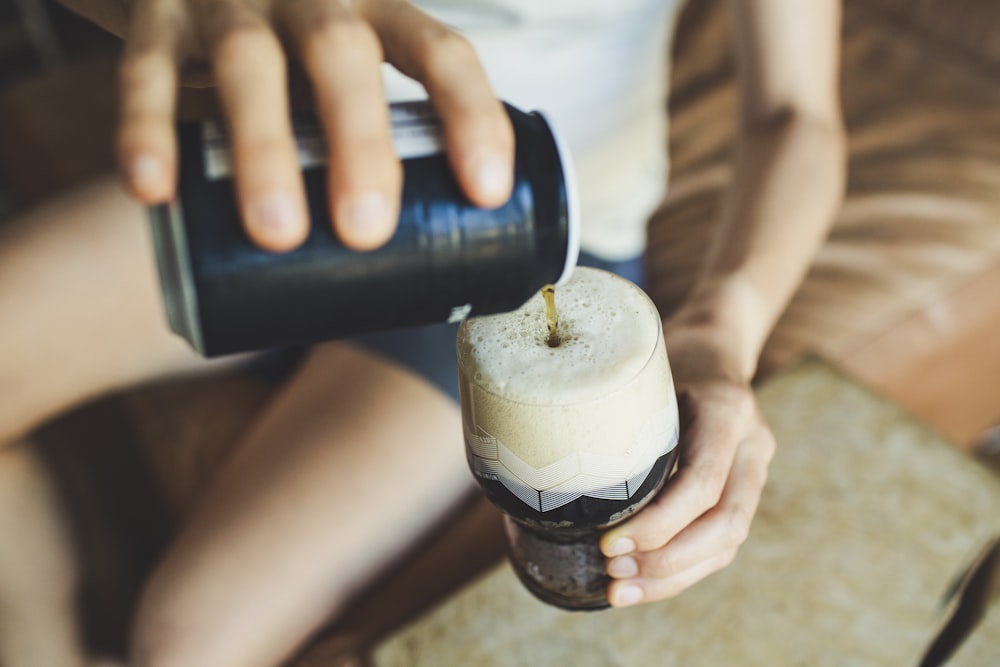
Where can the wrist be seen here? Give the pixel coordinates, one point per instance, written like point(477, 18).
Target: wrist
point(731, 314)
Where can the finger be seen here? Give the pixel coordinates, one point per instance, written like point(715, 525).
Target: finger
point(342, 55)
point(708, 445)
point(634, 591)
point(249, 69)
point(478, 132)
point(147, 149)
point(723, 528)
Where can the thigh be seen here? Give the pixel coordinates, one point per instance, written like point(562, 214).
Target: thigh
point(79, 306)
point(352, 461)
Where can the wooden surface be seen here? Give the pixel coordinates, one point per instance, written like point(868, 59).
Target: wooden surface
point(866, 519)
point(941, 361)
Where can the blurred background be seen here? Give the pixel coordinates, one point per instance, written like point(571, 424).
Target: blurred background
point(905, 296)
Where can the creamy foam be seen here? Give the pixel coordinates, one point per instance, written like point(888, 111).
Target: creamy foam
point(606, 391)
point(609, 329)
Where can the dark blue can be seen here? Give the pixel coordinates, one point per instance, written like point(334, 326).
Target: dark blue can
point(448, 259)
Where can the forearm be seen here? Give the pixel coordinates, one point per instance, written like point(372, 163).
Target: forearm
point(788, 185)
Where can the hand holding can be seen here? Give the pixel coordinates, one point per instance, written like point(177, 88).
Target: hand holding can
point(340, 47)
point(448, 259)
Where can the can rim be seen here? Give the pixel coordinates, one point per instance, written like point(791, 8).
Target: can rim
point(173, 264)
point(572, 200)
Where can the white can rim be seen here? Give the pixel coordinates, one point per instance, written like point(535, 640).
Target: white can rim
point(572, 201)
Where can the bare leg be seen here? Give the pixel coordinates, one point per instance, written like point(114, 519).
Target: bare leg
point(354, 461)
point(80, 307)
point(80, 316)
point(37, 624)
point(469, 542)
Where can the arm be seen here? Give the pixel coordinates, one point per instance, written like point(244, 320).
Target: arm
point(788, 185)
point(789, 175)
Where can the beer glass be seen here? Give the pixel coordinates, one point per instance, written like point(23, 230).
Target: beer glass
point(573, 438)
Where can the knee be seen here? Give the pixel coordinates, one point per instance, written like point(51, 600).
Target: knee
point(11, 429)
point(156, 642)
point(156, 645)
point(167, 634)
point(14, 428)
point(41, 563)
point(20, 409)
point(160, 636)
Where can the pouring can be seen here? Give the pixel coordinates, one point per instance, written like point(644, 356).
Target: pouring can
point(448, 259)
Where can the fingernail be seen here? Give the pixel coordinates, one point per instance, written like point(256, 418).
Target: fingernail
point(623, 567)
point(146, 173)
point(493, 177)
point(273, 214)
point(368, 215)
point(628, 594)
point(621, 546)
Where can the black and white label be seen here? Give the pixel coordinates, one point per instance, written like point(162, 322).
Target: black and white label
point(580, 474)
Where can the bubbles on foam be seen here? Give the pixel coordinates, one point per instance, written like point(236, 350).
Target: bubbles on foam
point(609, 329)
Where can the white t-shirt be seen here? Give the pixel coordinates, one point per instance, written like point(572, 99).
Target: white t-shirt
point(599, 71)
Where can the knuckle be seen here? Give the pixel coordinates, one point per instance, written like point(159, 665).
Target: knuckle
point(671, 588)
point(378, 168)
point(441, 47)
point(709, 482)
point(745, 404)
point(258, 147)
point(244, 36)
point(351, 37)
point(736, 526)
point(496, 125)
point(768, 444)
point(663, 566)
point(363, 147)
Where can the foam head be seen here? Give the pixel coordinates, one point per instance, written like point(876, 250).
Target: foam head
point(601, 403)
point(608, 327)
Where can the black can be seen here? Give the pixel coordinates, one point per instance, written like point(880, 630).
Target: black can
point(447, 260)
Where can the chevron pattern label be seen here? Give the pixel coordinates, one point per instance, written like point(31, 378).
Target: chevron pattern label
point(580, 474)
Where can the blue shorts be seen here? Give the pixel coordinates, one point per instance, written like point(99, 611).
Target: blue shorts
point(430, 351)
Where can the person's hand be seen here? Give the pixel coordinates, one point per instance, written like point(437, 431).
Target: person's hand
point(698, 522)
point(340, 44)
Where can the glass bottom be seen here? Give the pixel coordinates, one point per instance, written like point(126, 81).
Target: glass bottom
point(563, 568)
